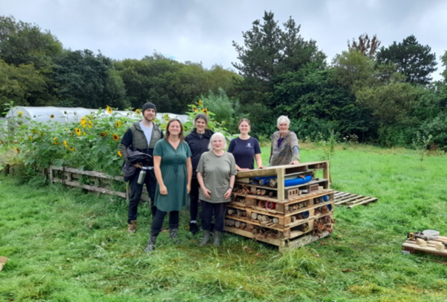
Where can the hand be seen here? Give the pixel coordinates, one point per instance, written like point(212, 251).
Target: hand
point(295, 162)
point(261, 167)
point(244, 169)
point(138, 166)
point(206, 192)
point(163, 190)
point(228, 193)
point(188, 188)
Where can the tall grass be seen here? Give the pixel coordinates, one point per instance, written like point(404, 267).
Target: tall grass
point(68, 245)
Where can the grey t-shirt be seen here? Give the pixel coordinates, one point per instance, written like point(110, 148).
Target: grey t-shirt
point(216, 172)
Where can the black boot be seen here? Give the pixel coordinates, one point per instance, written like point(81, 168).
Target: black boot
point(193, 228)
point(150, 244)
point(206, 238)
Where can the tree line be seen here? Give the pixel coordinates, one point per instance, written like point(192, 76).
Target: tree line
point(379, 94)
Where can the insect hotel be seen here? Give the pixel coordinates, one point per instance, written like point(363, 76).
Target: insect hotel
point(287, 206)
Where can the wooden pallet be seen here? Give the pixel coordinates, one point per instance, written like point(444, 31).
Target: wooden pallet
point(410, 246)
point(352, 200)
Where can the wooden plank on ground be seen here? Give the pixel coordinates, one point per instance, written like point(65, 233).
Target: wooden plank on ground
point(352, 200)
point(412, 247)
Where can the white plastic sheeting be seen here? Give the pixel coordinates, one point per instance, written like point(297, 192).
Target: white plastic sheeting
point(69, 115)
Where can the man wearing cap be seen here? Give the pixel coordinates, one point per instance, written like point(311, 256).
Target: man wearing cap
point(141, 136)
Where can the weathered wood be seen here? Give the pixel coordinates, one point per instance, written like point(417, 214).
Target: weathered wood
point(89, 173)
point(412, 247)
point(90, 188)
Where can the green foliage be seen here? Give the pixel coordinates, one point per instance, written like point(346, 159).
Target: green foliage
point(411, 58)
point(87, 80)
point(268, 52)
point(328, 145)
point(437, 126)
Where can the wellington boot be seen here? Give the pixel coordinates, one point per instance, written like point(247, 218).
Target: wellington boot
point(217, 237)
point(173, 233)
point(132, 227)
point(150, 244)
point(206, 238)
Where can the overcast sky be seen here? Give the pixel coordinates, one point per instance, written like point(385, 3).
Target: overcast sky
point(203, 30)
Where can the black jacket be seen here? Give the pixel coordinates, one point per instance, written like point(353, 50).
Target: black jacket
point(198, 146)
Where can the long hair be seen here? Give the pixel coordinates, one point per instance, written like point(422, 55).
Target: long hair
point(180, 135)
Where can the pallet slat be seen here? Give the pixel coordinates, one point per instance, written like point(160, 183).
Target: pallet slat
point(352, 200)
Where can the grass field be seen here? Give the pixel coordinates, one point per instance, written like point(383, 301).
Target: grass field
point(65, 245)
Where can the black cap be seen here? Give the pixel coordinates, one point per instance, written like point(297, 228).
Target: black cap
point(148, 106)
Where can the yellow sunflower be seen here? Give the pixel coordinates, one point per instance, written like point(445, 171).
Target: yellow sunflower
point(90, 124)
point(19, 113)
point(119, 153)
point(118, 124)
point(42, 134)
point(116, 137)
point(31, 137)
point(200, 103)
point(138, 111)
point(78, 131)
point(56, 142)
point(104, 134)
point(34, 131)
point(109, 110)
point(71, 148)
point(204, 110)
point(52, 116)
point(65, 144)
point(17, 149)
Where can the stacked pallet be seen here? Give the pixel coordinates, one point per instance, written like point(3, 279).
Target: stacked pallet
point(287, 206)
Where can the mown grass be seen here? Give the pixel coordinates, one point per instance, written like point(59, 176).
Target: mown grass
point(66, 245)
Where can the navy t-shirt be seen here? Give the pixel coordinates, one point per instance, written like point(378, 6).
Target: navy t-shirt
point(244, 151)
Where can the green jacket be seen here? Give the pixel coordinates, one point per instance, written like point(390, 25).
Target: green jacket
point(135, 139)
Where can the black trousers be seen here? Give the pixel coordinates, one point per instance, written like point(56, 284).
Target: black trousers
point(208, 209)
point(157, 221)
point(136, 190)
point(194, 199)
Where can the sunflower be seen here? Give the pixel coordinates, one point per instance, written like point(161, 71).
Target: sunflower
point(118, 124)
point(56, 142)
point(138, 111)
point(119, 153)
point(52, 116)
point(104, 134)
point(116, 137)
point(204, 110)
point(71, 148)
point(34, 131)
point(17, 149)
point(85, 133)
point(109, 110)
point(90, 124)
point(78, 131)
point(200, 103)
point(55, 138)
point(19, 113)
point(31, 137)
point(42, 134)
point(65, 144)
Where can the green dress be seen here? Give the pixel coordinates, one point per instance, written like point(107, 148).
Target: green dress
point(175, 177)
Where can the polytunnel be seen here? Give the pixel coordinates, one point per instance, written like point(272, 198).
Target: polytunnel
point(74, 115)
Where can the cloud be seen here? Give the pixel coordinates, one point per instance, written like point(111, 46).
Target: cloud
point(203, 31)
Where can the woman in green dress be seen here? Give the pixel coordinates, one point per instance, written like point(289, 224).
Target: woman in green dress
point(173, 170)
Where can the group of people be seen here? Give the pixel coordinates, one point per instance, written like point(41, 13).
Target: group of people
point(197, 165)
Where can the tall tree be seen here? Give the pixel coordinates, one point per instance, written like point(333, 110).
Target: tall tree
point(85, 80)
point(411, 59)
point(269, 51)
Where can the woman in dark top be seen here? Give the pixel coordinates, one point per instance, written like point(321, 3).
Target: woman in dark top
point(198, 141)
point(245, 148)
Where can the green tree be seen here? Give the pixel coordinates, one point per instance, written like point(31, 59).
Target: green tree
point(411, 59)
point(87, 80)
point(269, 51)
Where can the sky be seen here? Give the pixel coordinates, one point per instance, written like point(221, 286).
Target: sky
point(204, 30)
